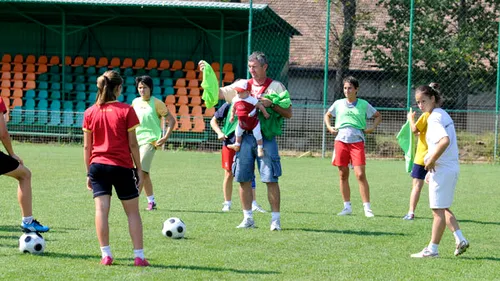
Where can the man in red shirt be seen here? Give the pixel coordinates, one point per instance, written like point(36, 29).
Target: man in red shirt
point(12, 166)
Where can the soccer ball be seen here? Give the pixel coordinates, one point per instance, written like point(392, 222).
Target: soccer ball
point(174, 228)
point(31, 242)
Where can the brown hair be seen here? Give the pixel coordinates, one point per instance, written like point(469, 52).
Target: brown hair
point(431, 91)
point(351, 80)
point(107, 84)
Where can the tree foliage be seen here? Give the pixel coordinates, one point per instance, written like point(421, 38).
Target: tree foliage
point(454, 44)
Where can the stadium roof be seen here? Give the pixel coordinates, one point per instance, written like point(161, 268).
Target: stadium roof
point(147, 13)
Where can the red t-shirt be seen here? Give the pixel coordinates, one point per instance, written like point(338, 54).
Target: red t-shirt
point(3, 109)
point(110, 124)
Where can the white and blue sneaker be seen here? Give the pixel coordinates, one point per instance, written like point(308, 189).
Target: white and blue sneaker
point(276, 225)
point(425, 253)
point(247, 223)
point(34, 226)
point(461, 247)
point(345, 212)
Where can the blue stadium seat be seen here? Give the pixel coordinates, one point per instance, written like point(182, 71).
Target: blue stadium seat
point(81, 88)
point(68, 87)
point(80, 106)
point(140, 72)
point(129, 99)
point(130, 81)
point(42, 117)
point(55, 86)
point(130, 89)
point(68, 106)
point(43, 85)
point(42, 77)
point(157, 91)
point(128, 72)
point(178, 74)
point(55, 105)
point(54, 69)
point(68, 78)
point(81, 96)
point(168, 82)
point(55, 78)
point(101, 70)
point(93, 88)
point(67, 118)
point(29, 104)
point(166, 73)
point(42, 95)
point(79, 70)
point(42, 105)
point(156, 81)
point(153, 72)
point(92, 79)
point(169, 91)
point(121, 98)
point(29, 116)
point(92, 96)
point(158, 97)
point(91, 70)
point(16, 115)
point(67, 69)
point(80, 79)
point(78, 120)
point(55, 118)
point(30, 94)
point(55, 95)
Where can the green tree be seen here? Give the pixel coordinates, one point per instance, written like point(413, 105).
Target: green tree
point(454, 44)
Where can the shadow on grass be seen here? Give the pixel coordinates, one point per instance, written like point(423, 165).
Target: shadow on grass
point(479, 222)
point(14, 237)
point(197, 211)
point(10, 228)
point(208, 268)
point(481, 258)
point(353, 232)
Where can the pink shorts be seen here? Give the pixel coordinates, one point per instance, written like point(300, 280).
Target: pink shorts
point(345, 153)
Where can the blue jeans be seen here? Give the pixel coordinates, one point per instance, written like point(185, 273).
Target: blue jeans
point(244, 163)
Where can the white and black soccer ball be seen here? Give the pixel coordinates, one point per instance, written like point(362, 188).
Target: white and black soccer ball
point(174, 228)
point(32, 243)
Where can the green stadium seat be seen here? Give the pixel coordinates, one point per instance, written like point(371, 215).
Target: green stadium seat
point(42, 95)
point(91, 70)
point(29, 104)
point(140, 72)
point(16, 115)
point(153, 72)
point(166, 73)
point(43, 77)
point(79, 70)
point(80, 79)
point(92, 96)
point(168, 82)
point(43, 85)
point(80, 87)
point(129, 80)
point(42, 105)
point(55, 95)
point(55, 86)
point(30, 94)
point(68, 87)
point(55, 118)
point(157, 91)
point(81, 96)
point(67, 119)
point(93, 88)
point(92, 79)
point(156, 81)
point(80, 106)
point(178, 74)
point(42, 117)
point(78, 120)
point(169, 91)
point(128, 72)
point(55, 105)
point(102, 70)
point(121, 98)
point(54, 69)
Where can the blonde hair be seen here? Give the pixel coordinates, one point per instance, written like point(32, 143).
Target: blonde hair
point(107, 85)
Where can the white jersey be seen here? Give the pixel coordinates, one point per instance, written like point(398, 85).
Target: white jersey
point(440, 125)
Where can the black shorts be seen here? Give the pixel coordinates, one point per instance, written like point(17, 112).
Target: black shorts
point(103, 177)
point(418, 172)
point(7, 163)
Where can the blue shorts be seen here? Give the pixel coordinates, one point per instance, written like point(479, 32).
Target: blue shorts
point(244, 160)
point(103, 177)
point(418, 172)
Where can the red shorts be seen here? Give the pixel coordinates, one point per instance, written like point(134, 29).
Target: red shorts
point(227, 158)
point(345, 153)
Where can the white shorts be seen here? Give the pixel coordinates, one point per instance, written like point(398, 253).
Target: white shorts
point(147, 152)
point(442, 188)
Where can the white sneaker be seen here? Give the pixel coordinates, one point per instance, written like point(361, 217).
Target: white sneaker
point(425, 253)
point(461, 247)
point(369, 213)
point(258, 208)
point(276, 225)
point(247, 223)
point(345, 212)
point(226, 207)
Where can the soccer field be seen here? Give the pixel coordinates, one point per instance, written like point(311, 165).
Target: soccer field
point(315, 244)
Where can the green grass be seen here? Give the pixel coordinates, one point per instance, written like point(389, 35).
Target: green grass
point(314, 244)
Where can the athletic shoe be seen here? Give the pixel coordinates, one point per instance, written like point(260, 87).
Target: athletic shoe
point(151, 206)
point(34, 226)
point(461, 247)
point(247, 223)
point(107, 260)
point(258, 208)
point(276, 225)
point(140, 262)
point(226, 207)
point(409, 217)
point(369, 213)
point(345, 212)
point(425, 253)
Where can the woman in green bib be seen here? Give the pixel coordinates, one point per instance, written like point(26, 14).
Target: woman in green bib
point(150, 111)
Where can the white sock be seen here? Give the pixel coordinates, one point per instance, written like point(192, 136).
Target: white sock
point(227, 203)
point(411, 213)
point(433, 247)
point(151, 198)
point(106, 252)
point(458, 236)
point(248, 214)
point(139, 254)
point(347, 205)
point(260, 146)
point(254, 203)
point(28, 220)
point(367, 206)
point(275, 216)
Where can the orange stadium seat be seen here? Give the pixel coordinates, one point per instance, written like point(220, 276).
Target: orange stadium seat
point(67, 60)
point(6, 101)
point(191, 74)
point(42, 68)
point(90, 62)
point(16, 102)
point(182, 91)
point(171, 110)
point(18, 76)
point(183, 110)
point(168, 100)
point(179, 83)
point(198, 124)
point(18, 59)
point(30, 85)
point(78, 61)
point(5, 93)
point(103, 62)
point(196, 111)
point(54, 60)
point(115, 62)
point(42, 60)
point(182, 100)
point(30, 77)
point(18, 67)
point(194, 92)
point(6, 67)
point(152, 63)
point(6, 58)
point(5, 84)
point(139, 64)
point(30, 68)
point(209, 112)
point(228, 67)
point(176, 65)
point(189, 65)
point(30, 59)
point(193, 84)
point(215, 66)
point(228, 77)
point(6, 75)
point(164, 64)
point(127, 62)
point(18, 93)
point(195, 101)
point(185, 123)
point(18, 84)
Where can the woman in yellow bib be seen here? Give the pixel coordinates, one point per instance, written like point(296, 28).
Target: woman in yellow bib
point(150, 111)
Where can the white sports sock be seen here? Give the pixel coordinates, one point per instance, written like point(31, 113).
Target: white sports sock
point(367, 206)
point(248, 214)
point(254, 203)
point(106, 252)
point(433, 247)
point(151, 198)
point(227, 202)
point(347, 205)
point(275, 216)
point(28, 220)
point(139, 254)
point(458, 236)
point(411, 213)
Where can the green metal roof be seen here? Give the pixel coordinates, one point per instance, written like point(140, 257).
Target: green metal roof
point(148, 13)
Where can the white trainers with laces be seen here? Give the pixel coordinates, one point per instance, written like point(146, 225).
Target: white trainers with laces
point(461, 247)
point(425, 253)
point(276, 225)
point(226, 207)
point(258, 208)
point(345, 212)
point(247, 223)
point(369, 213)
